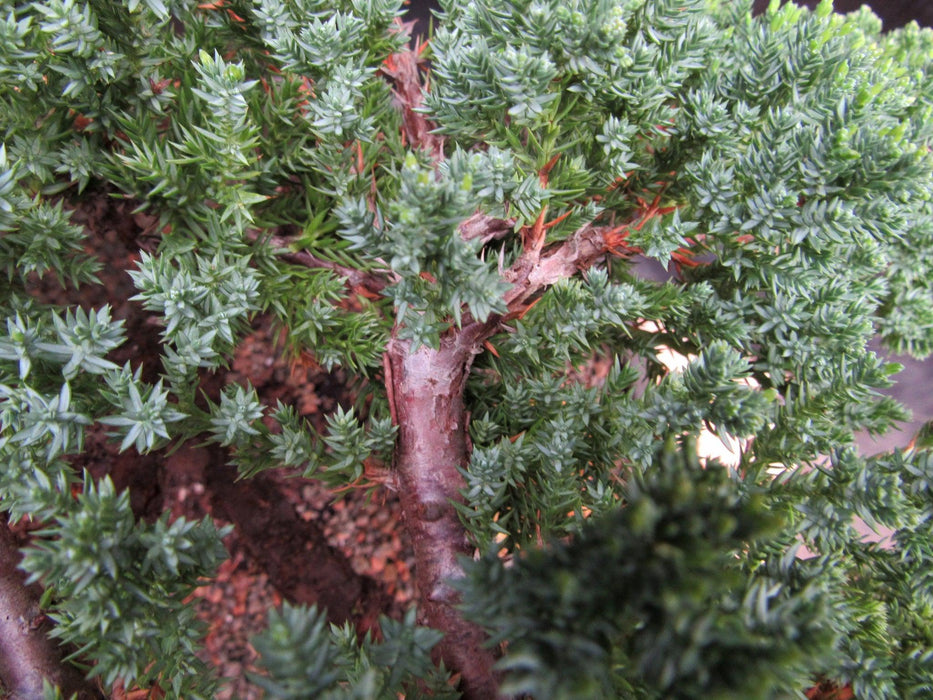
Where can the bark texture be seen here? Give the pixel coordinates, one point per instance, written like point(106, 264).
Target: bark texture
point(426, 394)
point(425, 390)
point(403, 69)
point(27, 655)
point(534, 271)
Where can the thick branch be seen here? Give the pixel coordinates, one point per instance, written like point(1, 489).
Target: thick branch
point(27, 655)
point(532, 273)
point(426, 390)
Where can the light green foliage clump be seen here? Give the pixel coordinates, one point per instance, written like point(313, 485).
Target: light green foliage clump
point(780, 168)
point(305, 657)
point(117, 588)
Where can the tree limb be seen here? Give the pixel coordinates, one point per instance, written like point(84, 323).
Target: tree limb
point(355, 278)
point(27, 655)
point(425, 390)
point(534, 271)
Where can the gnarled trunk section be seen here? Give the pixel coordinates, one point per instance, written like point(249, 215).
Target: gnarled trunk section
point(426, 394)
point(27, 655)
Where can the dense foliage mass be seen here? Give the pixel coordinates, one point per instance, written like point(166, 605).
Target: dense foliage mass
point(468, 243)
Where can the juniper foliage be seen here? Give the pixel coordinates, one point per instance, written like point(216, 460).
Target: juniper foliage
point(778, 166)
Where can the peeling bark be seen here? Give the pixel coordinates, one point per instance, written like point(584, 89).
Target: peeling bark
point(486, 228)
point(27, 655)
point(532, 273)
point(426, 392)
point(403, 69)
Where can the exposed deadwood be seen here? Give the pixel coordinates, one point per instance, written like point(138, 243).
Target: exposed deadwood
point(486, 228)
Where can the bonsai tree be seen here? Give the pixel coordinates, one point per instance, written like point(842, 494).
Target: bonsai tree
point(466, 225)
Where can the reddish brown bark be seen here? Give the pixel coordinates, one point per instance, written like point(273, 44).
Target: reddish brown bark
point(27, 655)
point(486, 228)
point(403, 69)
point(534, 271)
point(426, 393)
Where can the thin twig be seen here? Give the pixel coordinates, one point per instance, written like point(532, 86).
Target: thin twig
point(371, 281)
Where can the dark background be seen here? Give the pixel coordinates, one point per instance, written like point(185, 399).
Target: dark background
point(894, 13)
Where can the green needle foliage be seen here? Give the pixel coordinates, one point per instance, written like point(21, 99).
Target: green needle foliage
point(306, 658)
point(780, 167)
point(117, 589)
point(658, 600)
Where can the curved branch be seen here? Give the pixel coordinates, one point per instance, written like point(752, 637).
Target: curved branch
point(533, 271)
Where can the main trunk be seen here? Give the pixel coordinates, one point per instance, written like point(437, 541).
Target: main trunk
point(426, 393)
